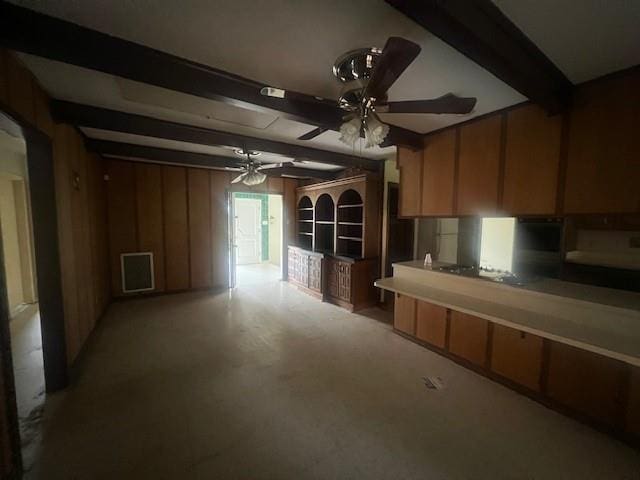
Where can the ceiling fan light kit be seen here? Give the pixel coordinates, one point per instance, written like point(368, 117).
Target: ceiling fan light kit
point(252, 175)
point(367, 74)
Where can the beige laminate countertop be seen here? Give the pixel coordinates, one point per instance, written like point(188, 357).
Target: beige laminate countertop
point(600, 320)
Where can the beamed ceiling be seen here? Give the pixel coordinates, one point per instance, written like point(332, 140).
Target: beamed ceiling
point(293, 45)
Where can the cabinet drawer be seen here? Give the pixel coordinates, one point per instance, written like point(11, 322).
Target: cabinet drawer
point(517, 356)
point(431, 323)
point(404, 315)
point(468, 337)
point(586, 382)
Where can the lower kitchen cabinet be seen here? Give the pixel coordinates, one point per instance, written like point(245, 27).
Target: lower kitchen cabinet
point(404, 315)
point(468, 337)
point(633, 403)
point(517, 355)
point(586, 382)
point(431, 323)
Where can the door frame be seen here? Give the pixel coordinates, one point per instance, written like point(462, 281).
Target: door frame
point(231, 229)
point(41, 189)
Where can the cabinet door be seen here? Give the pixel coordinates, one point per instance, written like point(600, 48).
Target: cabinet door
point(315, 273)
point(603, 171)
point(586, 382)
point(517, 356)
point(633, 402)
point(531, 164)
point(332, 277)
point(468, 337)
point(303, 269)
point(431, 323)
point(404, 314)
point(479, 166)
point(291, 265)
point(438, 173)
point(410, 166)
point(344, 281)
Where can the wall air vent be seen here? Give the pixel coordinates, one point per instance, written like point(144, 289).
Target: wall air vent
point(137, 272)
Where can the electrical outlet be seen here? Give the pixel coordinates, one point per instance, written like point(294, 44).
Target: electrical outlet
point(634, 242)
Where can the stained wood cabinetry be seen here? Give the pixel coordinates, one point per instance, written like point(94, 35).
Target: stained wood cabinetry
point(603, 170)
point(404, 314)
point(525, 162)
point(431, 324)
point(479, 167)
point(468, 337)
point(410, 166)
point(532, 158)
point(588, 383)
point(517, 356)
point(438, 173)
point(338, 238)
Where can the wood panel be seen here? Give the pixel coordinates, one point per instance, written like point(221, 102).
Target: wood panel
point(517, 356)
point(20, 89)
point(633, 403)
point(586, 382)
point(531, 161)
point(199, 227)
point(438, 174)
point(410, 166)
point(150, 218)
point(431, 324)
point(603, 171)
point(404, 316)
point(176, 228)
point(43, 119)
point(121, 190)
point(62, 174)
point(468, 337)
point(219, 183)
point(99, 234)
point(479, 167)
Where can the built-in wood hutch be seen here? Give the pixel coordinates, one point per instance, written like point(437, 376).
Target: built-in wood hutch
point(338, 241)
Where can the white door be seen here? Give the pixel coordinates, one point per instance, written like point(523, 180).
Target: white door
point(248, 230)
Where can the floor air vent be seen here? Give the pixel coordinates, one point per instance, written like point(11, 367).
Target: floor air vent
point(137, 272)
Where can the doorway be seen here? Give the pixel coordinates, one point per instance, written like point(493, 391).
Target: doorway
point(256, 238)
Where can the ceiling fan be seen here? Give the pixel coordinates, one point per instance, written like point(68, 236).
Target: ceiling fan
point(367, 75)
point(251, 174)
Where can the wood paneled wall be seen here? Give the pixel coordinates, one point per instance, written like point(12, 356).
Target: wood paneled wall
point(80, 201)
point(179, 214)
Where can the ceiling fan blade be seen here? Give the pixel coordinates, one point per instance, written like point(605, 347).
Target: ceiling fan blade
point(313, 133)
point(448, 103)
point(396, 56)
point(239, 178)
point(268, 166)
point(291, 95)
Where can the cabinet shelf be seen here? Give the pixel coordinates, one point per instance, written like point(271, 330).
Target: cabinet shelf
point(325, 222)
point(353, 239)
point(305, 233)
point(351, 223)
point(355, 205)
point(305, 221)
point(305, 208)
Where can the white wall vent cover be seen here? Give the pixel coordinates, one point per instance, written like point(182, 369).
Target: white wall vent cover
point(137, 272)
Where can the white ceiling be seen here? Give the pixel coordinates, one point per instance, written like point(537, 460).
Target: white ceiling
point(293, 45)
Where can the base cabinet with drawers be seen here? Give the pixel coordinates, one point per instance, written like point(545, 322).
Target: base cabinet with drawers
point(305, 270)
point(591, 387)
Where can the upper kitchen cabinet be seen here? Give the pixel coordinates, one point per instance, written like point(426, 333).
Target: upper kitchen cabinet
point(479, 167)
point(439, 158)
point(410, 166)
point(532, 156)
point(603, 168)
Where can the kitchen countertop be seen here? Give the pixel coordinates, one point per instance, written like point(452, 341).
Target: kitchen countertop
point(601, 320)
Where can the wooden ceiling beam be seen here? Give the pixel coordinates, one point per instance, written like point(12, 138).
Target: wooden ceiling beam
point(112, 120)
point(480, 31)
point(31, 32)
point(300, 172)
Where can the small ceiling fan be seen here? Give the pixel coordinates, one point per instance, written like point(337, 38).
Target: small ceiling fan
point(252, 174)
point(367, 75)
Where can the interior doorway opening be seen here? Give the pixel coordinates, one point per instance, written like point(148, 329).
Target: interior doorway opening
point(18, 261)
point(256, 238)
